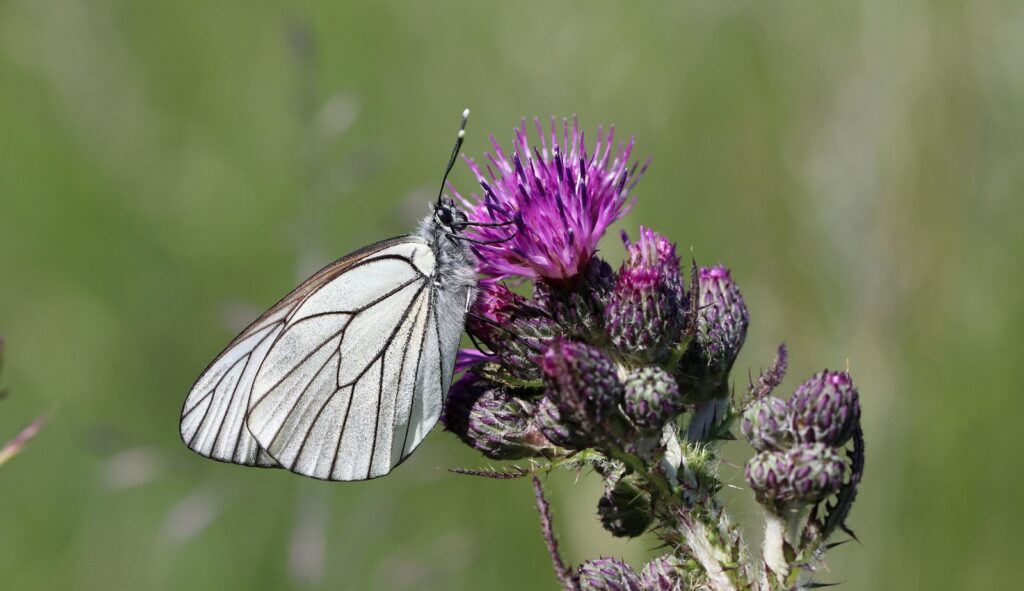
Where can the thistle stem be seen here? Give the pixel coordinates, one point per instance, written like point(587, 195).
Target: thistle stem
point(561, 570)
point(773, 548)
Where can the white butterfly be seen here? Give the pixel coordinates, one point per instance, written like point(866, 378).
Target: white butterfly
point(344, 377)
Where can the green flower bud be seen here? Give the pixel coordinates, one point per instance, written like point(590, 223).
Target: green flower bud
point(625, 509)
point(767, 424)
point(652, 398)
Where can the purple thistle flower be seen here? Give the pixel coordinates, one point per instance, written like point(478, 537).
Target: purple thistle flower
point(559, 197)
point(491, 420)
point(608, 574)
point(647, 308)
point(826, 409)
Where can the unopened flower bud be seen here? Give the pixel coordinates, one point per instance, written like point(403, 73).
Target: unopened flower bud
point(768, 474)
point(817, 472)
point(646, 310)
point(555, 429)
point(491, 420)
point(625, 509)
point(583, 383)
point(721, 328)
point(608, 574)
point(722, 319)
point(651, 398)
point(767, 424)
point(664, 573)
point(511, 326)
point(826, 409)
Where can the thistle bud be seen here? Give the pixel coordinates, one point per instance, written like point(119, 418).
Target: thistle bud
point(646, 310)
point(555, 429)
point(491, 420)
point(767, 424)
point(625, 509)
point(817, 472)
point(664, 573)
point(721, 328)
point(768, 474)
point(722, 319)
point(651, 398)
point(511, 326)
point(826, 409)
point(608, 574)
point(583, 383)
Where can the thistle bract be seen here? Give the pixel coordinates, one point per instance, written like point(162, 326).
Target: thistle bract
point(557, 197)
point(511, 326)
point(767, 424)
point(608, 574)
point(817, 471)
point(491, 420)
point(768, 474)
point(826, 409)
point(578, 304)
point(646, 312)
point(664, 573)
point(554, 428)
point(583, 383)
point(651, 398)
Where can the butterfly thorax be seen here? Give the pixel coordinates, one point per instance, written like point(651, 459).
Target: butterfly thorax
point(456, 263)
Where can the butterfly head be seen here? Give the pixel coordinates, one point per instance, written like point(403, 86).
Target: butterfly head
point(449, 217)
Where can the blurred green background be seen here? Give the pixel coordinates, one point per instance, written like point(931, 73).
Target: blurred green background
point(169, 169)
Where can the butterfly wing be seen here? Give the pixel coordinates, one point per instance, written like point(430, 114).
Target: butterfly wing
point(357, 377)
point(213, 416)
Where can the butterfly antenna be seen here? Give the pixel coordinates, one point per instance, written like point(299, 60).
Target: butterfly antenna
point(455, 153)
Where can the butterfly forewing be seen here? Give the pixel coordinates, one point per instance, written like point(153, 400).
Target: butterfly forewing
point(354, 380)
point(214, 416)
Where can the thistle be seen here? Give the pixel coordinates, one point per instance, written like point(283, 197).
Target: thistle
point(720, 331)
point(608, 574)
point(768, 424)
point(490, 419)
point(646, 310)
point(826, 409)
point(627, 373)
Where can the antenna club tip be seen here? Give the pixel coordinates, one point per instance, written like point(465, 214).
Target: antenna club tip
point(465, 113)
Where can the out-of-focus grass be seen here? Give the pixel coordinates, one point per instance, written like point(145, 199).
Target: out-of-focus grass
point(167, 170)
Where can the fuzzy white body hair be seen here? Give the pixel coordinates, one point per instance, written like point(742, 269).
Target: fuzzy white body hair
point(455, 281)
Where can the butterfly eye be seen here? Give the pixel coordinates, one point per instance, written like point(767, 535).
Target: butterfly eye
point(444, 215)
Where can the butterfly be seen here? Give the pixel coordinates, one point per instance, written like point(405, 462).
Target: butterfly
point(344, 377)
